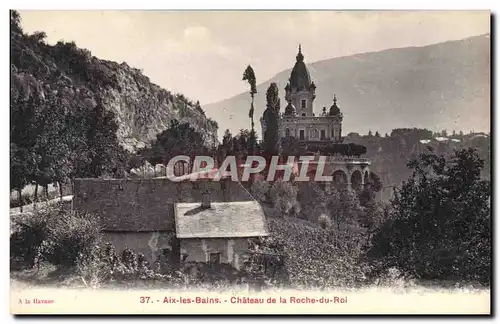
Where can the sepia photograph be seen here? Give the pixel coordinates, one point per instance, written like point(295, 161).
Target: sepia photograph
point(328, 162)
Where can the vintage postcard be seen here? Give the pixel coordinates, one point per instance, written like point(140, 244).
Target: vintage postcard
point(250, 162)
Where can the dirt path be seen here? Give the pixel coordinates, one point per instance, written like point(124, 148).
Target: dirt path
point(29, 208)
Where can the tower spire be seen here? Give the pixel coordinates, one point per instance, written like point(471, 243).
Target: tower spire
point(300, 57)
point(335, 100)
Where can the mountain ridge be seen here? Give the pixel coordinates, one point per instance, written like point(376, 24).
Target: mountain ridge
point(444, 71)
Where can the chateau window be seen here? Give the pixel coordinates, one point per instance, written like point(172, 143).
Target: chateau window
point(301, 136)
point(303, 114)
point(303, 104)
point(315, 133)
point(333, 136)
point(180, 168)
point(214, 258)
point(322, 134)
point(287, 132)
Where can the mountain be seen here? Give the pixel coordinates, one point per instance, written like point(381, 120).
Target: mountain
point(439, 86)
point(142, 109)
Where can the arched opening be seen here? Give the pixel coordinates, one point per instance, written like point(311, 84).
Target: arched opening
point(181, 168)
point(339, 178)
point(356, 180)
point(287, 132)
point(367, 179)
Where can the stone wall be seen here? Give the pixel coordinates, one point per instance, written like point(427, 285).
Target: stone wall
point(151, 244)
point(145, 204)
point(231, 250)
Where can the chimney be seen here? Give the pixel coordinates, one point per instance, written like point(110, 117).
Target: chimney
point(205, 195)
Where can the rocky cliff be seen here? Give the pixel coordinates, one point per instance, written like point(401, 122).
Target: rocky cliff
point(142, 109)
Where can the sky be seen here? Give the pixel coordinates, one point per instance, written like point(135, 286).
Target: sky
point(203, 54)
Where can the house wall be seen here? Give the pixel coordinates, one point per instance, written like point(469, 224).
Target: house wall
point(145, 204)
point(231, 250)
point(150, 244)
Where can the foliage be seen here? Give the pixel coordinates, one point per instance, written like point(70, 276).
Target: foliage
point(290, 146)
point(31, 230)
point(349, 149)
point(312, 199)
point(441, 224)
point(71, 235)
point(260, 190)
point(271, 119)
point(249, 76)
point(62, 92)
point(178, 139)
point(283, 194)
point(313, 259)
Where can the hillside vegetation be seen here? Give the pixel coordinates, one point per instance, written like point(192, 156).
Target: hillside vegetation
point(74, 115)
point(141, 109)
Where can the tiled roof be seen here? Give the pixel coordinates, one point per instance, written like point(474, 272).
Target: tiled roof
point(223, 219)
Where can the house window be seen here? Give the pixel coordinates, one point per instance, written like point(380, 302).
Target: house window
point(287, 132)
point(303, 104)
point(214, 258)
point(301, 136)
point(322, 134)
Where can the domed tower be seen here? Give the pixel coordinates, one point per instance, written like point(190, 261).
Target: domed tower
point(300, 91)
point(336, 115)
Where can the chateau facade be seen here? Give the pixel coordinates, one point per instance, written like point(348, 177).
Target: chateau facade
point(299, 119)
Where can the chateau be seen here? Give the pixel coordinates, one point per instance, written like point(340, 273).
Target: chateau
point(299, 119)
point(314, 132)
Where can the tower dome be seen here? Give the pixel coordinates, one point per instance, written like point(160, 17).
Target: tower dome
point(290, 110)
point(334, 109)
point(300, 78)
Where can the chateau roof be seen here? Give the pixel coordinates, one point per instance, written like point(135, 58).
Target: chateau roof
point(221, 220)
point(334, 109)
point(290, 109)
point(300, 78)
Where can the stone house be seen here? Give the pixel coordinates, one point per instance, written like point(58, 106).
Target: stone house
point(140, 213)
point(218, 232)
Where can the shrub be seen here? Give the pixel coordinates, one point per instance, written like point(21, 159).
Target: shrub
point(312, 199)
point(440, 224)
point(72, 235)
point(30, 231)
point(312, 259)
point(283, 194)
point(260, 190)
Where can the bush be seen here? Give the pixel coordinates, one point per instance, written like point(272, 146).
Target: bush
point(283, 194)
point(440, 224)
point(312, 258)
point(72, 235)
point(30, 231)
point(260, 190)
point(312, 199)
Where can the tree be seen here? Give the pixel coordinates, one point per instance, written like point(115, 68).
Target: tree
point(440, 226)
point(271, 119)
point(178, 139)
point(249, 76)
point(370, 133)
point(377, 134)
point(290, 146)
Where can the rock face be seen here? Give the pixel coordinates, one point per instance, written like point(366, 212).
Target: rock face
point(142, 109)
